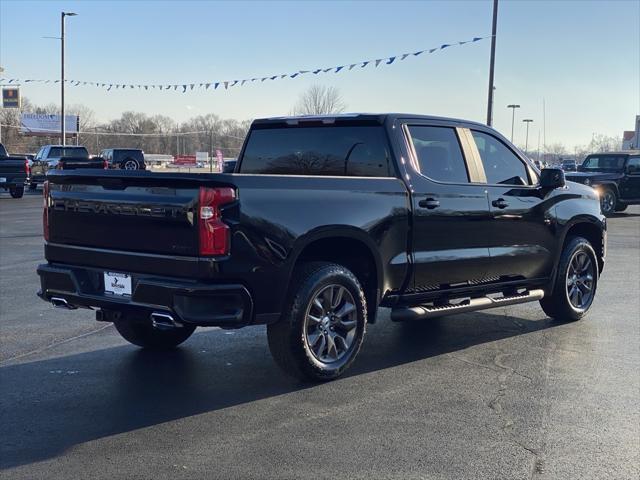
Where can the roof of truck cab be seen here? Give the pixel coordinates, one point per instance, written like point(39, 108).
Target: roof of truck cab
point(616, 152)
point(356, 118)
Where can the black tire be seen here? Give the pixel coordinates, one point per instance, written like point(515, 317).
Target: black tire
point(16, 192)
point(608, 201)
point(130, 161)
point(557, 304)
point(621, 208)
point(144, 335)
point(290, 338)
point(33, 186)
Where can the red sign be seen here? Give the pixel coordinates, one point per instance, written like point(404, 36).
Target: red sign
point(184, 159)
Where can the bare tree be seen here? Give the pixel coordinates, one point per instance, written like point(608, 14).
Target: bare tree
point(319, 100)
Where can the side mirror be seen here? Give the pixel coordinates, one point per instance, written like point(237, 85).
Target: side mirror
point(551, 178)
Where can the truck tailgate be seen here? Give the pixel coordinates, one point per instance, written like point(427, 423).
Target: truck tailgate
point(136, 212)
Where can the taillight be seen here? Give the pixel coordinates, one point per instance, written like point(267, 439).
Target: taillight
point(45, 211)
point(214, 233)
point(105, 164)
point(27, 170)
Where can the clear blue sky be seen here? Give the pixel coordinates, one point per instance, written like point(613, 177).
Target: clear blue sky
point(583, 57)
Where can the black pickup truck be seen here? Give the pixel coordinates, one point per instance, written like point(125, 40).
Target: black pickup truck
point(616, 177)
point(325, 220)
point(61, 157)
point(13, 173)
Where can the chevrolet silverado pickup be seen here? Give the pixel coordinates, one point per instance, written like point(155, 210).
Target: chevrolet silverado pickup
point(13, 173)
point(324, 220)
point(61, 157)
point(616, 177)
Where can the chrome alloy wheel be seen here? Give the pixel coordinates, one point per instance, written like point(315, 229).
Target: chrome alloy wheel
point(330, 324)
point(130, 165)
point(607, 202)
point(580, 280)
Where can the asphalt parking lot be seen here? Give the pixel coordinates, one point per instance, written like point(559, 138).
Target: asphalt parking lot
point(501, 394)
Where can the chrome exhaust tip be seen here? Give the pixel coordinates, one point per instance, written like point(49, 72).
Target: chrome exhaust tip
point(164, 321)
point(62, 303)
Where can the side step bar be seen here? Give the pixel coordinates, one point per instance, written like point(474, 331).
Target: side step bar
point(469, 305)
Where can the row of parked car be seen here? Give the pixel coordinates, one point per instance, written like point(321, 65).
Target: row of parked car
point(18, 171)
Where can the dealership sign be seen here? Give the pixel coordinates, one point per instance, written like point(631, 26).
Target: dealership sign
point(11, 97)
point(43, 124)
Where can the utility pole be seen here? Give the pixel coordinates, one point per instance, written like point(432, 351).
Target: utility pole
point(526, 142)
point(63, 133)
point(492, 63)
point(513, 117)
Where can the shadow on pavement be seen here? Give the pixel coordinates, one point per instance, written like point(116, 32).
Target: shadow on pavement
point(51, 405)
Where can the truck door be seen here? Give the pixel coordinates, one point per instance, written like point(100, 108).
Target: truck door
point(630, 184)
point(522, 243)
point(450, 212)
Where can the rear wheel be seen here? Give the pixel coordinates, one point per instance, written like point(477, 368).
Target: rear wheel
point(576, 282)
point(16, 192)
point(608, 201)
point(143, 334)
point(130, 164)
point(321, 331)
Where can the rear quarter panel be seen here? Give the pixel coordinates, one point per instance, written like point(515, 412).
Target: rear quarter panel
point(280, 215)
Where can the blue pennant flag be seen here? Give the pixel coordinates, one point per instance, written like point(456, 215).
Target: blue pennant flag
point(352, 65)
point(378, 61)
point(226, 85)
point(315, 72)
point(475, 39)
point(339, 68)
point(404, 55)
point(243, 82)
point(390, 61)
point(418, 53)
point(207, 86)
point(433, 50)
point(184, 88)
point(364, 64)
point(294, 75)
point(216, 85)
point(442, 47)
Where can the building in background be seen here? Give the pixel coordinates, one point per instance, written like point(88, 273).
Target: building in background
point(631, 138)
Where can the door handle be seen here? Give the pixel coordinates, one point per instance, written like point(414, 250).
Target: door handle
point(429, 203)
point(500, 203)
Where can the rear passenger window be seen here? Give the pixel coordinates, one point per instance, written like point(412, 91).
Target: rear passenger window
point(501, 165)
point(439, 153)
point(332, 150)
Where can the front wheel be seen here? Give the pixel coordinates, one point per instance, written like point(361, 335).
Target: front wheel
point(17, 192)
point(321, 330)
point(145, 335)
point(608, 202)
point(576, 282)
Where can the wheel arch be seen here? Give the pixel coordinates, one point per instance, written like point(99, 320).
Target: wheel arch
point(592, 230)
point(348, 246)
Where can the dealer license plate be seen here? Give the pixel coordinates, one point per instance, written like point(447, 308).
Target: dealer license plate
point(3, 180)
point(117, 283)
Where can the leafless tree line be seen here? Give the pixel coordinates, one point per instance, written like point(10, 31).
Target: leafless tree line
point(152, 133)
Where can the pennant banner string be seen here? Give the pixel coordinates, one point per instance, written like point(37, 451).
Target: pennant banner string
point(184, 87)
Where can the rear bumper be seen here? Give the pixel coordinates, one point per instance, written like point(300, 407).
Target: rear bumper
point(12, 182)
point(201, 304)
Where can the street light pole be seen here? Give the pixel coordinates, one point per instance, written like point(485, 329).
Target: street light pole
point(63, 133)
point(492, 62)
point(526, 142)
point(513, 117)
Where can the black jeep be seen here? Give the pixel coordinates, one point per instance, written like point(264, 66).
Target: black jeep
point(616, 176)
